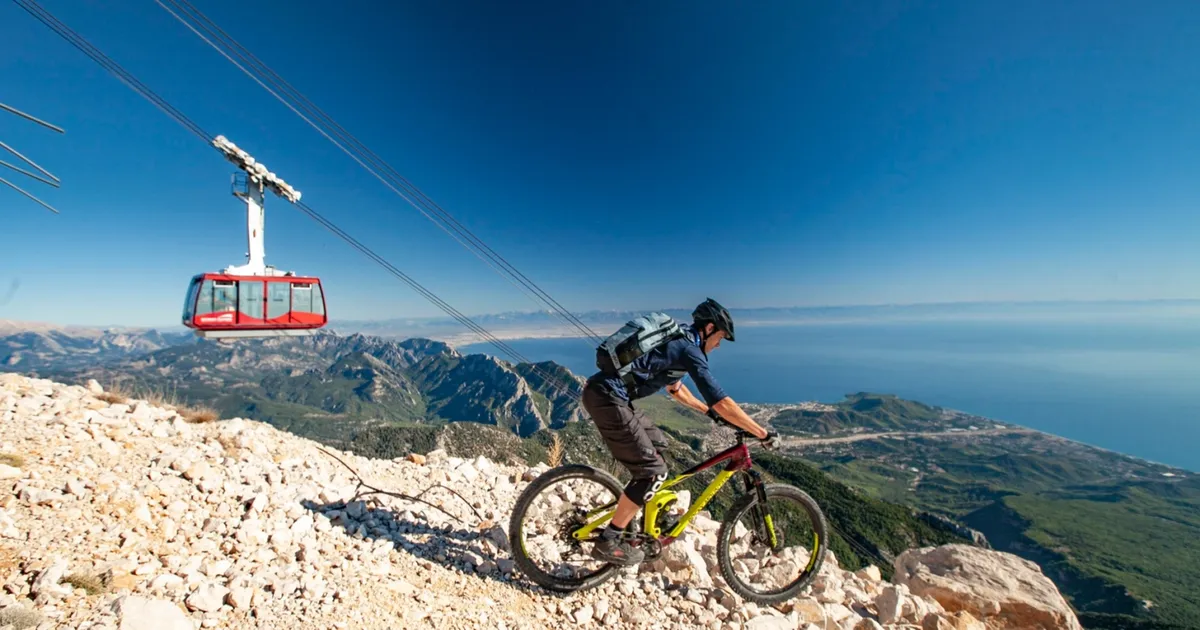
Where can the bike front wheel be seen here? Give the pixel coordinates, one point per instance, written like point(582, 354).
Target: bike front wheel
point(752, 544)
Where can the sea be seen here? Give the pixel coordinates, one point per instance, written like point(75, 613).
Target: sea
point(1126, 385)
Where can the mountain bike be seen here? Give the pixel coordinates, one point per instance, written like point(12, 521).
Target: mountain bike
point(573, 519)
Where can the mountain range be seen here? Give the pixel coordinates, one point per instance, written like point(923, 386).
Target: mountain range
point(40, 347)
point(327, 385)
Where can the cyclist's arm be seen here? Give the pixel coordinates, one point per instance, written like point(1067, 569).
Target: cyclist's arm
point(730, 411)
point(716, 396)
point(681, 393)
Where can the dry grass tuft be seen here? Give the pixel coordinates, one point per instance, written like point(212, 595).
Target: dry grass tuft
point(199, 415)
point(554, 456)
point(93, 584)
point(165, 398)
point(12, 459)
point(112, 398)
point(115, 393)
point(168, 398)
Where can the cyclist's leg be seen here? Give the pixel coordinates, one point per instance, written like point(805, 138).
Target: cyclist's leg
point(629, 442)
point(632, 440)
point(652, 431)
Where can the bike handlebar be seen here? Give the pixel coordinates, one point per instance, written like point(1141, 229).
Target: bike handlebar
point(739, 432)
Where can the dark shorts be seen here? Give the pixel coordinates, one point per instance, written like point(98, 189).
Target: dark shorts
point(631, 437)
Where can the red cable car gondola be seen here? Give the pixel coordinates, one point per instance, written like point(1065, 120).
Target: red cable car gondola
point(224, 305)
point(254, 300)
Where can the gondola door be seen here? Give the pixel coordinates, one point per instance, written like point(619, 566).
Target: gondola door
point(279, 298)
point(252, 309)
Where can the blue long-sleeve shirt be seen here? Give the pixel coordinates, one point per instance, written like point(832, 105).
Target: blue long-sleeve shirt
point(668, 364)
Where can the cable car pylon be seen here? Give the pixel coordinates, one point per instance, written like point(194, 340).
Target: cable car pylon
point(254, 300)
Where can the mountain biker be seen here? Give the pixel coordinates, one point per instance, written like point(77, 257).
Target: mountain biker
point(633, 440)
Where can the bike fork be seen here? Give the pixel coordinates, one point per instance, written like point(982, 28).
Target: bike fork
point(761, 513)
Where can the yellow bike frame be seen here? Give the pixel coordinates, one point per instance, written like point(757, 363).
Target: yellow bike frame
point(738, 457)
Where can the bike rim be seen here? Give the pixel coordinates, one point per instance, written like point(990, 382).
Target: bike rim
point(770, 566)
point(547, 522)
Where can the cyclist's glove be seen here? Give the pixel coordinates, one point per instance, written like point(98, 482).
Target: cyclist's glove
point(771, 442)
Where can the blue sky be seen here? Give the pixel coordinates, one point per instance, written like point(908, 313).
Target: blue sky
point(630, 155)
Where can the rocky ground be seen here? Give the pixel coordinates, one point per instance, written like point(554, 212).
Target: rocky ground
point(124, 515)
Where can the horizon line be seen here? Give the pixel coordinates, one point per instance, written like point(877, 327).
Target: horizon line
point(811, 306)
point(881, 305)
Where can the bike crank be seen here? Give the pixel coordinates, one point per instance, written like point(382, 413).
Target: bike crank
point(651, 548)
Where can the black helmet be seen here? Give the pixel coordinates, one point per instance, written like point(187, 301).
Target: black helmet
point(711, 311)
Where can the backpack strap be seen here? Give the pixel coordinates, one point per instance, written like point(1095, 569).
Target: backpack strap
point(627, 378)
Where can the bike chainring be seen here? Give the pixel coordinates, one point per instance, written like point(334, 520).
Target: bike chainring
point(651, 547)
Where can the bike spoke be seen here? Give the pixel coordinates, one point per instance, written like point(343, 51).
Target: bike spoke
point(553, 516)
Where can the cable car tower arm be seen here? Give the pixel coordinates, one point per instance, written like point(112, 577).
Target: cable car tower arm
point(257, 180)
point(53, 181)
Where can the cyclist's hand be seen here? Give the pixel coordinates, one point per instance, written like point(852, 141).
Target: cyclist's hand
point(771, 442)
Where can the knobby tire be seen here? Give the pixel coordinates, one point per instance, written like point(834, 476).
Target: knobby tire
point(516, 522)
point(743, 506)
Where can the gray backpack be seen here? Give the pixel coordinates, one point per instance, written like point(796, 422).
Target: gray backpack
point(637, 337)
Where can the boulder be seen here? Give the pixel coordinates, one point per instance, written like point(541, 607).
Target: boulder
point(1000, 589)
point(139, 613)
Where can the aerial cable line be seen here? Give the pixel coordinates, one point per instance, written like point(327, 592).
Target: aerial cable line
point(45, 17)
point(27, 194)
point(28, 161)
point(305, 118)
point(83, 45)
point(450, 310)
point(35, 119)
point(363, 153)
point(245, 55)
point(53, 181)
point(216, 32)
point(28, 174)
point(80, 43)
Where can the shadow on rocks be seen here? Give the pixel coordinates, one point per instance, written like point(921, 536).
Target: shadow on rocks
point(480, 554)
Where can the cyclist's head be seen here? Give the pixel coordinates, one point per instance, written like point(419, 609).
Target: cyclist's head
point(713, 322)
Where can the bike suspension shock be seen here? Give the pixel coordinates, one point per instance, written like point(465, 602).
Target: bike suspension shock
point(764, 525)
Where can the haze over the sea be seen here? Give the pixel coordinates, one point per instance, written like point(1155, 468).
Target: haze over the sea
point(1122, 376)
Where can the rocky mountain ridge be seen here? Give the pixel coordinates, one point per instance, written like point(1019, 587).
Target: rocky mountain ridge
point(352, 381)
point(36, 348)
point(124, 515)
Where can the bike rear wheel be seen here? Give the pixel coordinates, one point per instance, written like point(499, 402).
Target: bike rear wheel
point(545, 514)
point(746, 545)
